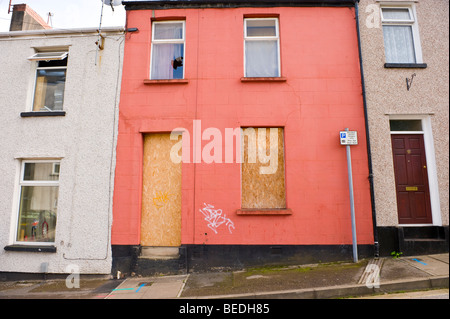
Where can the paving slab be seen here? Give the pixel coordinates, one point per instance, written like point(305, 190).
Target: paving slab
point(395, 269)
point(158, 287)
point(442, 257)
point(434, 266)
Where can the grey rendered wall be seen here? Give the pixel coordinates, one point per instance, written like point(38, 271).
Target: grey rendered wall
point(387, 96)
point(84, 140)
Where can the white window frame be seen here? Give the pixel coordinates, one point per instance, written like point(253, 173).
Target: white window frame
point(169, 41)
point(411, 22)
point(46, 56)
point(23, 182)
point(54, 55)
point(263, 38)
point(55, 168)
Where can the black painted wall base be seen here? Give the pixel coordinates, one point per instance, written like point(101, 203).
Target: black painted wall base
point(200, 258)
point(19, 276)
point(410, 241)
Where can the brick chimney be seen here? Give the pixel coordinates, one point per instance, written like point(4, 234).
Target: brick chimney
point(25, 18)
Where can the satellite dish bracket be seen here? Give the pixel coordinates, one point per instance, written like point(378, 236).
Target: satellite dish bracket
point(101, 42)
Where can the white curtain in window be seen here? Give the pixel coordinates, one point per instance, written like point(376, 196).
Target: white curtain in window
point(396, 14)
point(261, 59)
point(164, 53)
point(399, 44)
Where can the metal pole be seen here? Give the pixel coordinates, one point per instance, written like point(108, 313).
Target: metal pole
point(352, 202)
point(99, 34)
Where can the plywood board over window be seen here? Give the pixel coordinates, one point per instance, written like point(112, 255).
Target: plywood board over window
point(263, 173)
point(161, 193)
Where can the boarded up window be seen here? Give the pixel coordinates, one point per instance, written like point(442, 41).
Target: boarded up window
point(263, 180)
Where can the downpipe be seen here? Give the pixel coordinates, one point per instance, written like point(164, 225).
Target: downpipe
point(369, 153)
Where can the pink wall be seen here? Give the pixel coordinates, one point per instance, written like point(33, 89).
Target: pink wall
point(321, 96)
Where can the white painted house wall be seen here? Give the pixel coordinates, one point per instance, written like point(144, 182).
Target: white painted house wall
point(84, 141)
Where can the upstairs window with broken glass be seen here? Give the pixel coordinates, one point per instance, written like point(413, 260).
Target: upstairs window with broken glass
point(167, 51)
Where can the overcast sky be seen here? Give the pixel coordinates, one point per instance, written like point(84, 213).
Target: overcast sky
point(68, 14)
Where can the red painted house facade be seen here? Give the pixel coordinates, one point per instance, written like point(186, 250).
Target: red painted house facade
point(228, 151)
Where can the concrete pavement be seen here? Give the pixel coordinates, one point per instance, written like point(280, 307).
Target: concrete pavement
point(377, 276)
point(316, 281)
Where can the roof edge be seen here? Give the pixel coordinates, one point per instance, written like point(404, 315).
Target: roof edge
point(45, 32)
point(183, 4)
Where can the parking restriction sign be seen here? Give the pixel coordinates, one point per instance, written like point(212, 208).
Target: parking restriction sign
point(348, 137)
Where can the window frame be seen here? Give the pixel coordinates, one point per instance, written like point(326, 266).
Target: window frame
point(168, 41)
point(263, 38)
point(412, 22)
point(263, 210)
point(59, 55)
point(56, 166)
point(22, 183)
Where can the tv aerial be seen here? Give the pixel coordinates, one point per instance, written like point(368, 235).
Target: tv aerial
point(101, 39)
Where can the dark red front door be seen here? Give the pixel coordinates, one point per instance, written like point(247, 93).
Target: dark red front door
point(411, 179)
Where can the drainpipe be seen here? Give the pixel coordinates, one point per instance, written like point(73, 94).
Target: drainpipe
point(369, 153)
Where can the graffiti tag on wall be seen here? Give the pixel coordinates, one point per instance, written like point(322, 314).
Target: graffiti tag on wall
point(160, 199)
point(215, 218)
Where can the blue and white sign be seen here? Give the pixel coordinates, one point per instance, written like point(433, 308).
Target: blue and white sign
point(348, 137)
